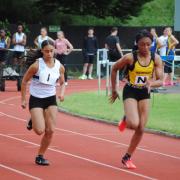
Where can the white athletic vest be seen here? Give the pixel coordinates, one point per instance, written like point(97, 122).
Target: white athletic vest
point(43, 83)
point(164, 42)
point(18, 38)
point(40, 39)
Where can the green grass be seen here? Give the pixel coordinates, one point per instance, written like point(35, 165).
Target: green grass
point(164, 114)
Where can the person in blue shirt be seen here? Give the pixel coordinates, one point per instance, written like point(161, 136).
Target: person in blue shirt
point(156, 44)
point(4, 45)
point(172, 42)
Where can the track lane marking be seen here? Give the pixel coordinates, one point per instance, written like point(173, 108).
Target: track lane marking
point(9, 99)
point(100, 139)
point(82, 158)
point(19, 172)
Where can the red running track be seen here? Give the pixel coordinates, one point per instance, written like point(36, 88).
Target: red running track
point(81, 149)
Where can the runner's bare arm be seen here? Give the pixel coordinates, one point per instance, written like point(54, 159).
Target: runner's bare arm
point(28, 75)
point(121, 63)
point(158, 72)
point(62, 83)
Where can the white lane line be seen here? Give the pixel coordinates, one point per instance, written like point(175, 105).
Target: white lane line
point(7, 104)
point(1, 115)
point(83, 158)
point(19, 172)
point(100, 139)
point(2, 102)
point(9, 99)
point(102, 134)
point(13, 117)
point(122, 144)
point(12, 104)
point(21, 134)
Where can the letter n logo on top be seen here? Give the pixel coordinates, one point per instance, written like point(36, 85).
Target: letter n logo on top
point(141, 80)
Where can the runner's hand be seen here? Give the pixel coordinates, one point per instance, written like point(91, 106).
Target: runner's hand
point(148, 85)
point(23, 104)
point(61, 98)
point(113, 97)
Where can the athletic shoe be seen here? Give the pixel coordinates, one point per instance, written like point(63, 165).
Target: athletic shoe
point(90, 77)
point(29, 125)
point(83, 77)
point(128, 164)
point(41, 161)
point(66, 83)
point(122, 124)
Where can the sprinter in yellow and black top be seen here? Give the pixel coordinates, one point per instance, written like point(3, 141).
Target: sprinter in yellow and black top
point(136, 93)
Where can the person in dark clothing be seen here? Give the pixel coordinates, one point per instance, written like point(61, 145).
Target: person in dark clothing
point(89, 50)
point(113, 45)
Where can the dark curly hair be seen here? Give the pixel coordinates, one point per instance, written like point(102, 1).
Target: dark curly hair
point(142, 34)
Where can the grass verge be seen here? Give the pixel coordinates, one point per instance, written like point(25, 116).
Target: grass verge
point(164, 114)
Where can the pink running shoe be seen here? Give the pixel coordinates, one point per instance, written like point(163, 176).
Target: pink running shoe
point(128, 164)
point(122, 124)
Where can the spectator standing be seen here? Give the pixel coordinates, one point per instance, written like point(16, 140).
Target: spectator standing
point(90, 46)
point(163, 40)
point(63, 48)
point(170, 52)
point(42, 37)
point(19, 42)
point(112, 43)
point(5, 42)
point(156, 42)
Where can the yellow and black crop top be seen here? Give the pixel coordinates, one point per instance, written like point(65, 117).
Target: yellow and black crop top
point(138, 74)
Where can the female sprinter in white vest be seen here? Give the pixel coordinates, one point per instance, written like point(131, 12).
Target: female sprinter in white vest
point(43, 74)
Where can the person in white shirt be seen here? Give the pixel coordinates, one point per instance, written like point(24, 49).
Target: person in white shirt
point(42, 37)
point(170, 52)
point(19, 42)
point(43, 74)
point(164, 42)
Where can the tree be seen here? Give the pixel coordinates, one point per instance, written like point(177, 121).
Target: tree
point(100, 8)
point(19, 10)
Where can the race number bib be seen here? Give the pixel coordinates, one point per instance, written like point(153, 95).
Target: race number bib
point(45, 78)
point(49, 78)
point(141, 80)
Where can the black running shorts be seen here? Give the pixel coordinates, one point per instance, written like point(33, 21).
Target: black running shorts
point(89, 59)
point(135, 93)
point(43, 103)
point(168, 67)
